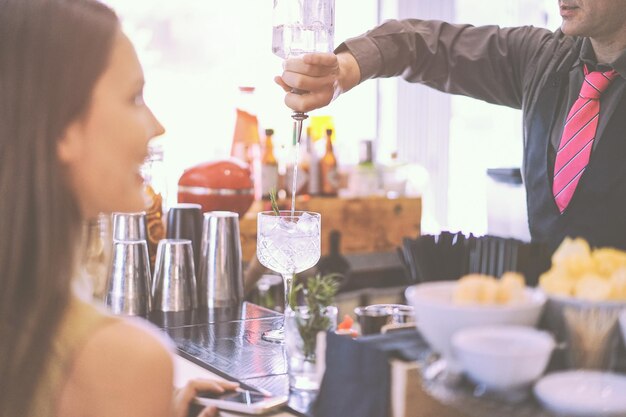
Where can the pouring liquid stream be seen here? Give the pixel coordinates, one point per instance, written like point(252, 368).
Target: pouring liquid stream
point(297, 133)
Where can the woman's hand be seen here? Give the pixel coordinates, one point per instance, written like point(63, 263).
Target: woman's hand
point(184, 396)
point(322, 77)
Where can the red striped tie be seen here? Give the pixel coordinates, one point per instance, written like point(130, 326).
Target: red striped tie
point(578, 134)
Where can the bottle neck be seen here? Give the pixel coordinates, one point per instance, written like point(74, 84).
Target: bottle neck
point(329, 145)
point(366, 156)
point(309, 140)
point(246, 101)
point(335, 241)
point(268, 154)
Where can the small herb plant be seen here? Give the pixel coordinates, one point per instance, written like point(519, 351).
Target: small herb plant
point(318, 294)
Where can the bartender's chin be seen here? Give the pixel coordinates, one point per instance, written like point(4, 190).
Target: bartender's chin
point(570, 28)
point(575, 27)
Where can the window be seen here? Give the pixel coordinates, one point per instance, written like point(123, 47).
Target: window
point(457, 138)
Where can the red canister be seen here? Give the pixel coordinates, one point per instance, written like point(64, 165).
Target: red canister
point(224, 185)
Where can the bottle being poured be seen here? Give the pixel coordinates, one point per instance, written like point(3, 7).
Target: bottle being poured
point(301, 27)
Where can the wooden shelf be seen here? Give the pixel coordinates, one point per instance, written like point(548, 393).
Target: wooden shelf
point(371, 224)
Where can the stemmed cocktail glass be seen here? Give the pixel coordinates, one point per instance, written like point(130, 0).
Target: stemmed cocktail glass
point(287, 243)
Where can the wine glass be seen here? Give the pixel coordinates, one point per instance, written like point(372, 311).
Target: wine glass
point(287, 243)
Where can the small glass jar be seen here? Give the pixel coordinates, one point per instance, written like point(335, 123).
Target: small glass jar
point(303, 331)
point(95, 258)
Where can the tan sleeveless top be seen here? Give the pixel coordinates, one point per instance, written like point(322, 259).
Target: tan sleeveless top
point(80, 322)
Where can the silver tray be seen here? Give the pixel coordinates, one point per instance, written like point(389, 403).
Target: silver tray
point(470, 401)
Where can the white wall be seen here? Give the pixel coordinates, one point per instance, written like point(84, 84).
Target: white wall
point(196, 53)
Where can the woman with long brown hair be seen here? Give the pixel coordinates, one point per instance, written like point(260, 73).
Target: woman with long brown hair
point(73, 133)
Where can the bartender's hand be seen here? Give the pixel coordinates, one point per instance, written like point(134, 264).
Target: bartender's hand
point(324, 76)
point(183, 397)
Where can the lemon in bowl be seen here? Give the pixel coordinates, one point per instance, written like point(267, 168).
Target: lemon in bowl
point(440, 311)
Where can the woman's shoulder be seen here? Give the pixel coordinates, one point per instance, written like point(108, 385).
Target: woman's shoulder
point(127, 340)
point(122, 368)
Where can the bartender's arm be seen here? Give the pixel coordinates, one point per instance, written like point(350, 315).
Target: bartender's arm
point(488, 62)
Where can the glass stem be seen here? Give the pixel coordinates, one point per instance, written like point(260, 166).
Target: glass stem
point(288, 281)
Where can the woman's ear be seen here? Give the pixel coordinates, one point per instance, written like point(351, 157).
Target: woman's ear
point(69, 147)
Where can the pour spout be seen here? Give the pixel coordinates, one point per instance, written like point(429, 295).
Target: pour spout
point(298, 117)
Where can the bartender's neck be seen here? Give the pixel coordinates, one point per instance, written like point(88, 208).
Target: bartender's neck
point(609, 48)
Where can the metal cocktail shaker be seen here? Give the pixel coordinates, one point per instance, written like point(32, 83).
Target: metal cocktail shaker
point(220, 277)
point(128, 290)
point(184, 221)
point(174, 283)
point(129, 226)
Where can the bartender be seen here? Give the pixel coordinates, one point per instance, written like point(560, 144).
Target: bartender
point(569, 85)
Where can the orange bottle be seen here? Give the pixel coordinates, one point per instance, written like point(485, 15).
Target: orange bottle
point(328, 168)
point(246, 144)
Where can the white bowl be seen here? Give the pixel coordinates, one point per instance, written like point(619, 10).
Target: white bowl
point(438, 317)
point(583, 393)
point(503, 358)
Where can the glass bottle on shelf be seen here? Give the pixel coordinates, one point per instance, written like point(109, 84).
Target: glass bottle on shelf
point(393, 178)
point(155, 188)
point(246, 144)
point(334, 262)
point(314, 165)
point(363, 180)
point(269, 166)
point(302, 181)
point(328, 169)
point(95, 257)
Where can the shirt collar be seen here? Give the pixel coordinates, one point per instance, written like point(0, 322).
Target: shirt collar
point(588, 56)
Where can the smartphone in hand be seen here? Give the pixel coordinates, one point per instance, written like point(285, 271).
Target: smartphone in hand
point(241, 400)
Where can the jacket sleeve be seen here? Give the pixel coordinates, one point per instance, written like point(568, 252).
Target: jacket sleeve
point(486, 62)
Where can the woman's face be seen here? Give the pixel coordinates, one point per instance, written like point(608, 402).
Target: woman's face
point(104, 149)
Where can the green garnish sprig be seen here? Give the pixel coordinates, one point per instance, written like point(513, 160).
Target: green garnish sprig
point(274, 201)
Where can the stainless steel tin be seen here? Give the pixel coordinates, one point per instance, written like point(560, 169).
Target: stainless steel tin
point(129, 226)
point(128, 288)
point(220, 278)
point(184, 221)
point(174, 282)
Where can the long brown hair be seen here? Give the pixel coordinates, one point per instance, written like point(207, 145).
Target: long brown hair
point(52, 52)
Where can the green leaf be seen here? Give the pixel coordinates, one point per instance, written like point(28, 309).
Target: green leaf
point(273, 201)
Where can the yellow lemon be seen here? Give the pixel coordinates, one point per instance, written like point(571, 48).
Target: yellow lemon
point(593, 288)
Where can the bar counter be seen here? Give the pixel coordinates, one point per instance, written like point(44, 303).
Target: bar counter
point(227, 342)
